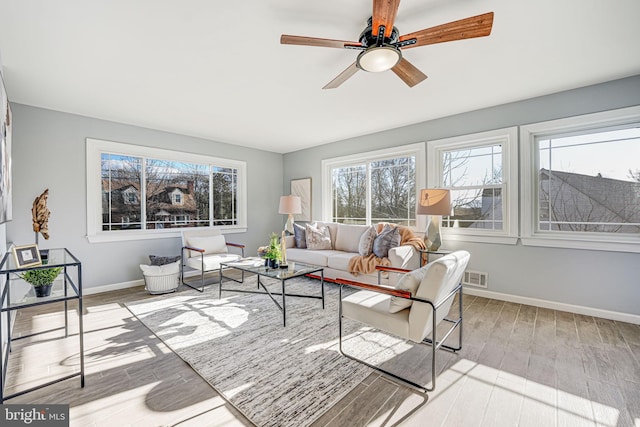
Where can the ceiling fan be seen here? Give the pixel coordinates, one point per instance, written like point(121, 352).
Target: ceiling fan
point(381, 45)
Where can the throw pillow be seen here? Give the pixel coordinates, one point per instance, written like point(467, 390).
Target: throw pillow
point(160, 270)
point(162, 260)
point(365, 247)
point(318, 238)
point(300, 236)
point(388, 238)
point(210, 244)
point(409, 282)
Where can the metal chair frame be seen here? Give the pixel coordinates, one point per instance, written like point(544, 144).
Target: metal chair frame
point(432, 342)
point(202, 270)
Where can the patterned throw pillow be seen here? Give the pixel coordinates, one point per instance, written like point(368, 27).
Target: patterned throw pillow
point(365, 247)
point(388, 238)
point(162, 260)
point(300, 236)
point(318, 238)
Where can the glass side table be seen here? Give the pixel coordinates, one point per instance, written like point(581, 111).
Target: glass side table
point(428, 252)
point(67, 287)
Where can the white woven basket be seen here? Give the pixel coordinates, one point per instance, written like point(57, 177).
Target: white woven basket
point(161, 284)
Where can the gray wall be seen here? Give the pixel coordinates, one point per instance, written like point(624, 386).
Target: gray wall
point(598, 279)
point(49, 152)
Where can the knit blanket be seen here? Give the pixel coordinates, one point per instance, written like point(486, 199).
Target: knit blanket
point(367, 264)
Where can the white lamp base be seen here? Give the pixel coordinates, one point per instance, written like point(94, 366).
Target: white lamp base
point(432, 233)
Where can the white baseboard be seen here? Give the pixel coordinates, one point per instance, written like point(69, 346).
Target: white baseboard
point(578, 309)
point(113, 287)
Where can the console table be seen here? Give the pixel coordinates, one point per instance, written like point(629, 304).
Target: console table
point(65, 289)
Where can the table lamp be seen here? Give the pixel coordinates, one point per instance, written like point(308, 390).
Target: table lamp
point(290, 205)
point(434, 202)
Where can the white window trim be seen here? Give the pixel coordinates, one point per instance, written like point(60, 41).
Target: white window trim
point(416, 149)
point(508, 137)
point(96, 147)
point(529, 183)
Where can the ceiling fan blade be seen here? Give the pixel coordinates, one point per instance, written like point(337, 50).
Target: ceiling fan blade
point(476, 26)
point(342, 77)
point(384, 13)
point(314, 41)
point(408, 73)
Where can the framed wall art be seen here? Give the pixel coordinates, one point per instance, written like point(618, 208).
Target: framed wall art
point(302, 188)
point(6, 210)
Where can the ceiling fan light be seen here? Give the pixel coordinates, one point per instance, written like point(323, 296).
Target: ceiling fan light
point(379, 58)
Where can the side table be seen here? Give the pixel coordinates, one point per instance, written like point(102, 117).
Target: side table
point(64, 290)
point(428, 252)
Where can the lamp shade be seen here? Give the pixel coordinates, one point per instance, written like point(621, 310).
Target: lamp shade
point(290, 205)
point(434, 201)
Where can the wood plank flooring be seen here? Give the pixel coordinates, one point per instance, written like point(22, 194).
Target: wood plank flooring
point(519, 366)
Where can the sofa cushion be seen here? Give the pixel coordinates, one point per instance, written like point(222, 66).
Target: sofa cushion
point(319, 258)
point(348, 237)
point(210, 244)
point(300, 235)
point(162, 260)
point(408, 282)
point(388, 238)
point(340, 260)
point(333, 231)
point(365, 245)
point(160, 270)
point(318, 238)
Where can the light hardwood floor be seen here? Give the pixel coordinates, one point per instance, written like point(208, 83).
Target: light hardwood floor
point(520, 366)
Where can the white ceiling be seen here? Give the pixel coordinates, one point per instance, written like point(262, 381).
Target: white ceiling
point(216, 69)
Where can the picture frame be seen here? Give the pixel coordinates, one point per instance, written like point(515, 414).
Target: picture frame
point(6, 202)
point(26, 256)
point(302, 188)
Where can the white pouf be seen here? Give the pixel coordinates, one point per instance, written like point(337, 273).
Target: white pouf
point(160, 279)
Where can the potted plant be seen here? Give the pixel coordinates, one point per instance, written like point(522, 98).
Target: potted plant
point(273, 253)
point(41, 279)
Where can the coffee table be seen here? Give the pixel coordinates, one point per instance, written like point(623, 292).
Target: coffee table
point(256, 266)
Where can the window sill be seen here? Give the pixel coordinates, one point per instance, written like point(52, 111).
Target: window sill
point(122, 236)
point(501, 240)
point(631, 245)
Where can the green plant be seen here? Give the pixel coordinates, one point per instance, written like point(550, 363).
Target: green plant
point(42, 277)
point(273, 251)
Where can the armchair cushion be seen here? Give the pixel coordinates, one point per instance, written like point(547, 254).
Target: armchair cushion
point(372, 308)
point(210, 244)
point(408, 282)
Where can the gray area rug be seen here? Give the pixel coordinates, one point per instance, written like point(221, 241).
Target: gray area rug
point(274, 375)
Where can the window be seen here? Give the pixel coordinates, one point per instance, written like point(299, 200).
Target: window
point(582, 178)
point(177, 189)
point(379, 186)
point(481, 172)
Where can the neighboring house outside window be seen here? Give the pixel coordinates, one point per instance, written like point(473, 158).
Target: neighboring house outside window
point(178, 189)
point(481, 171)
point(581, 177)
point(373, 187)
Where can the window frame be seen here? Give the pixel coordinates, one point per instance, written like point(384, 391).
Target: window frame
point(530, 235)
point(94, 150)
point(508, 138)
point(416, 149)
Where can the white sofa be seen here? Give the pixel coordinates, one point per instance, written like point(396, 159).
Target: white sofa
point(345, 239)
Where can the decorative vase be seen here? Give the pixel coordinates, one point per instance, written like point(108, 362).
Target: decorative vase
point(273, 263)
point(43, 290)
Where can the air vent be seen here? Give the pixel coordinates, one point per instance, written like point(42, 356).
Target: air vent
point(475, 278)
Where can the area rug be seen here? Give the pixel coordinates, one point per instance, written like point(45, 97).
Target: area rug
point(274, 375)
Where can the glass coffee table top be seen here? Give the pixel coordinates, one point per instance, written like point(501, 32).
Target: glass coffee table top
point(256, 265)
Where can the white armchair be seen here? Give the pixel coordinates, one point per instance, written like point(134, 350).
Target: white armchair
point(412, 309)
point(204, 249)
